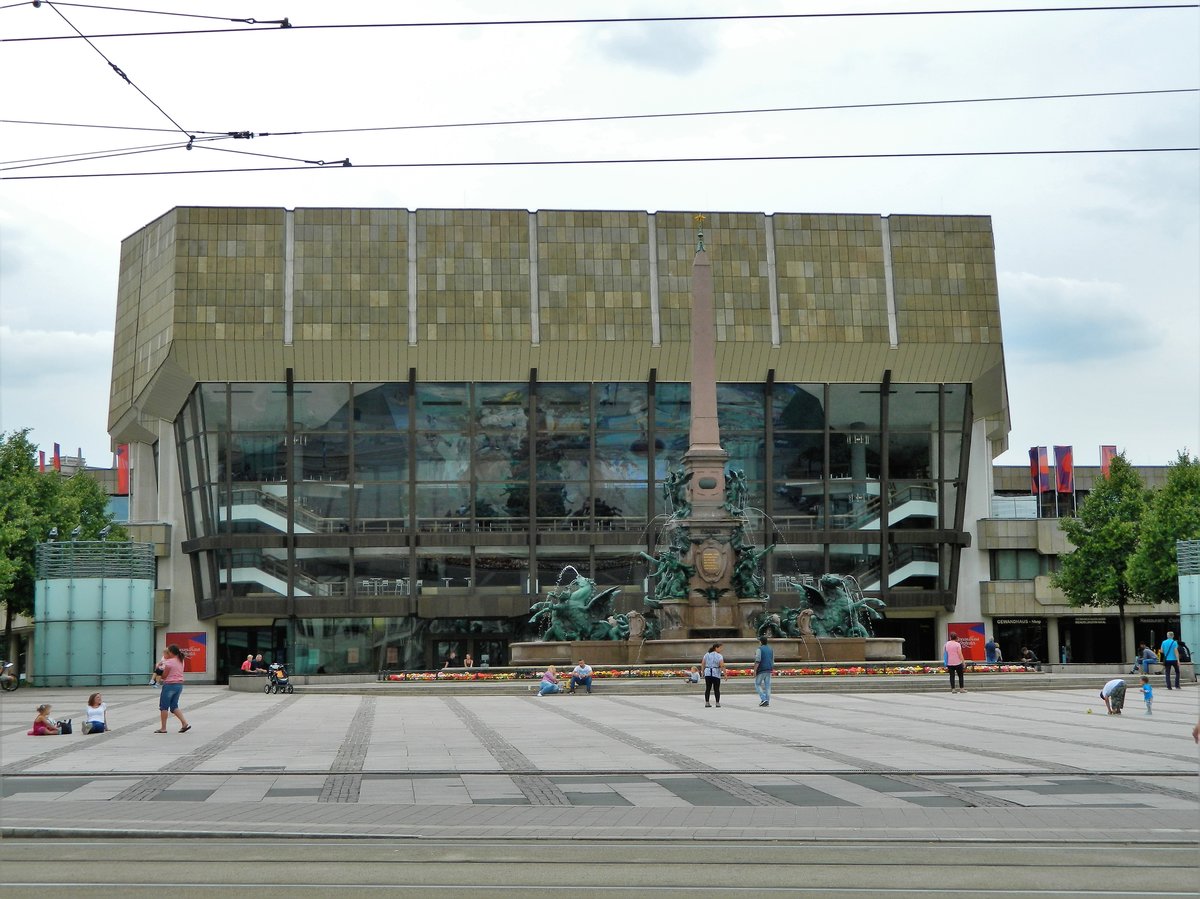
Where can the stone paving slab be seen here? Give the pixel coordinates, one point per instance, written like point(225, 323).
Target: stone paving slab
point(816, 765)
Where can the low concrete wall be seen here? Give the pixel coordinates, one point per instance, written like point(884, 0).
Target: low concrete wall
point(736, 650)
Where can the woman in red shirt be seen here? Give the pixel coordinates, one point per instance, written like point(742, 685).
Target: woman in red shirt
point(172, 689)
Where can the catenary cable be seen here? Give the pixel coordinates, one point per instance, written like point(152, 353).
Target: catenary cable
point(640, 161)
point(629, 20)
point(116, 69)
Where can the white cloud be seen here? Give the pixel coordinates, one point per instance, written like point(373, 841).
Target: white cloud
point(1065, 320)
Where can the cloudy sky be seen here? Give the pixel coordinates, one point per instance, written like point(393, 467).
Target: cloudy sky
point(1097, 254)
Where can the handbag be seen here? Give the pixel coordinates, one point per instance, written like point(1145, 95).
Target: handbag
point(64, 726)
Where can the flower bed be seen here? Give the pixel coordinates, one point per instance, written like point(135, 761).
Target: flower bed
point(646, 673)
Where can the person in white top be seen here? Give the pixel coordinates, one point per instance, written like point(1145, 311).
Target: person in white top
point(96, 720)
point(581, 676)
point(1113, 695)
point(714, 670)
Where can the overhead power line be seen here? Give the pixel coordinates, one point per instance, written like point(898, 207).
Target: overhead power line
point(116, 69)
point(482, 23)
point(622, 117)
point(282, 23)
point(727, 112)
point(677, 160)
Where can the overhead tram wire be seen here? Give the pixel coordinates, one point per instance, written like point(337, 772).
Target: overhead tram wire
point(623, 117)
point(725, 112)
point(282, 23)
point(643, 161)
point(107, 127)
point(10, 165)
point(117, 69)
point(626, 20)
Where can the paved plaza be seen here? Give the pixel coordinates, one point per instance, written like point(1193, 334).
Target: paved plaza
point(611, 765)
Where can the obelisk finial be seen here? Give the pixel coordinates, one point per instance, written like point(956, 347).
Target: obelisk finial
point(699, 219)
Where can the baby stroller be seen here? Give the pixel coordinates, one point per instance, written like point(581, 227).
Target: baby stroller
point(277, 680)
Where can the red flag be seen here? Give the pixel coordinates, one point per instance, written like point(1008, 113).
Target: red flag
point(1064, 469)
point(1039, 470)
point(57, 458)
point(41, 460)
point(1106, 457)
point(123, 469)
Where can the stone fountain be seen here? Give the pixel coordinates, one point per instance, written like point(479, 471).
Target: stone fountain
point(708, 577)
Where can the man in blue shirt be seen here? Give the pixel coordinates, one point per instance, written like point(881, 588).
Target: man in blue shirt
point(764, 664)
point(1170, 658)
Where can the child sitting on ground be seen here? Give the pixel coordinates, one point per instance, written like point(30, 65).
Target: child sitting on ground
point(43, 724)
point(693, 675)
point(1147, 694)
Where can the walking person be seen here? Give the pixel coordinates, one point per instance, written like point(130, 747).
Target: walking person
point(172, 689)
point(764, 665)
point(952, 658)
point(1170, 658)
point(1148, 694)
point(713, 665)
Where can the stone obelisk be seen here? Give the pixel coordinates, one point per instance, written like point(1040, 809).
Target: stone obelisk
point(705, 459)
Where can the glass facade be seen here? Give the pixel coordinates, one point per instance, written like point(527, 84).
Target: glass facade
point(431, 500)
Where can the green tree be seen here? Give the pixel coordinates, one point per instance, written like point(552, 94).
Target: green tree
point(1105, 536)
point(31, 503)
point(1174, 514)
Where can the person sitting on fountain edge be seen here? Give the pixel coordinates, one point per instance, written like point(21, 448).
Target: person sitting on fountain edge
point(581, 675)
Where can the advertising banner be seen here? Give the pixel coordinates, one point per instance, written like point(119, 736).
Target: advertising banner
point(970, 635)
point(1106, 457)
point(1064, 469)
point(1039, 470)
point(194, 647)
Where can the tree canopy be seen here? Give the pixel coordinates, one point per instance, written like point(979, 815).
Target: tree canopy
point(1174, 514)
point(1105, 534)
point(31, 503)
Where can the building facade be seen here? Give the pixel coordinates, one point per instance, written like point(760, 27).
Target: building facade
point(368, 437)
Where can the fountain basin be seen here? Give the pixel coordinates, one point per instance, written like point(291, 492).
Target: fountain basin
point(736, 650)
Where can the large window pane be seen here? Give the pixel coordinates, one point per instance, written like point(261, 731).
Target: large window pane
point(913, 407)
point(214, 405)
point(740, 407)
point(502, 406)
point(747, 452)
point(910, 455)
point(799, 562)
point(322, 572)
point(672, 405)
point(257, 457)
point(563, 407)
point(381, 456)
point(258, 407)
point(798, 456)
point(564, 457)
point(381, 507)
point(381, 407)
point(621, 456)
point(621, 407)
point(620, 500)
point(322, 507)
point(321, 406)
point(854, 407)
point(502, 568)
point(798, 407)
point(442, 501)
point(442, 407)
point(442, 456)
point(322, 457)
point(955, 405)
